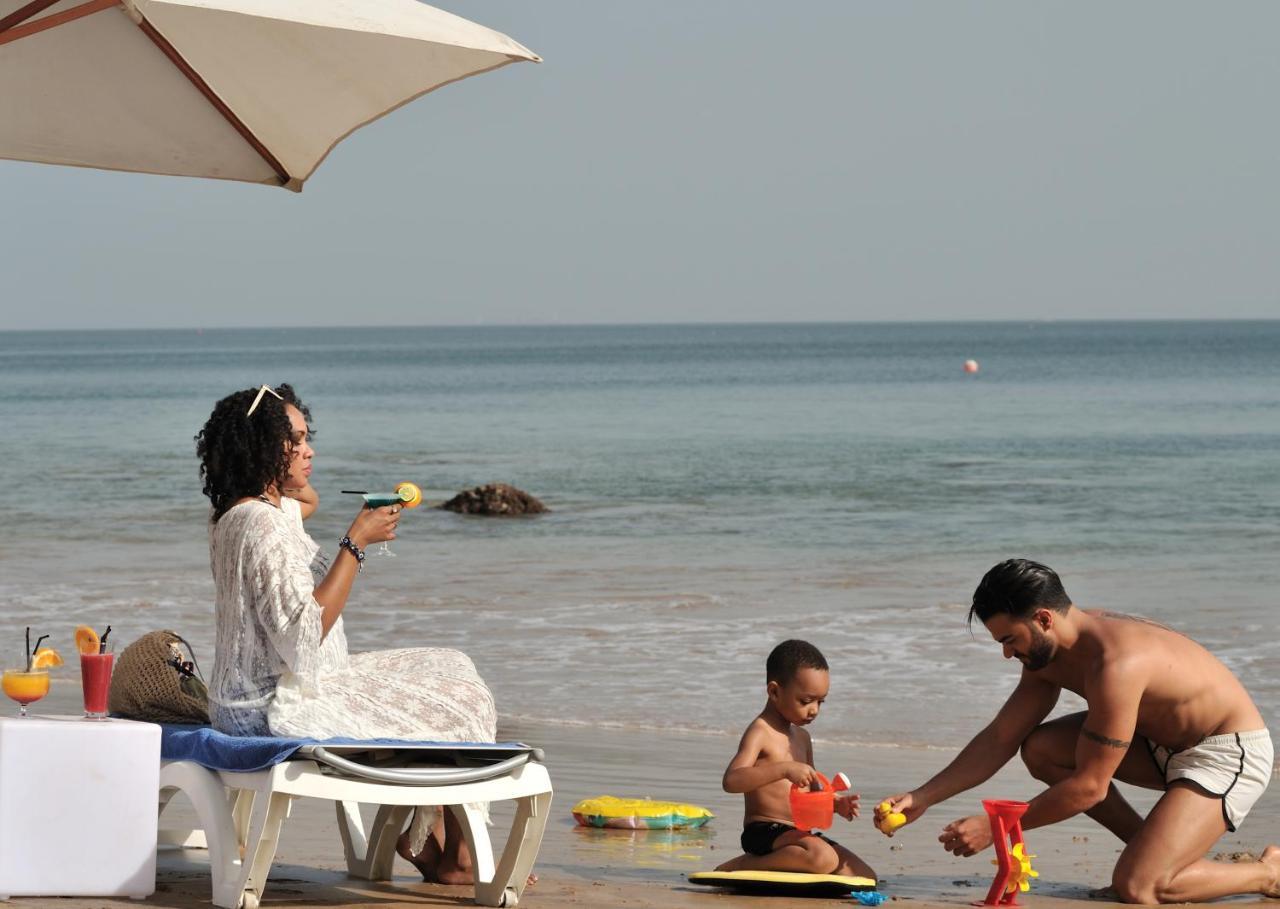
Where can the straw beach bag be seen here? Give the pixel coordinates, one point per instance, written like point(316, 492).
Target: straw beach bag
point(154, 681)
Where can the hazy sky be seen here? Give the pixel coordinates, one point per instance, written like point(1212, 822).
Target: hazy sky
point(707, 160)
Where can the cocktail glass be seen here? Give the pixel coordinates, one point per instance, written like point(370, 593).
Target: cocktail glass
point(95, 678)
point(25, 687)
point(382, 500)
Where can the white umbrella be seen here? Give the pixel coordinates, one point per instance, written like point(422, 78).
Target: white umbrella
point(253, 90)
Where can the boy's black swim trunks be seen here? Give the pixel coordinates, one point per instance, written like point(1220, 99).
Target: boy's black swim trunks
point(758, 836)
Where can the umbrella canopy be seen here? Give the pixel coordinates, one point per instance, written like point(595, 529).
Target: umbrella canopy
point(253, 90)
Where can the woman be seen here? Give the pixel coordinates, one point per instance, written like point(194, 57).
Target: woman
point(281, 666)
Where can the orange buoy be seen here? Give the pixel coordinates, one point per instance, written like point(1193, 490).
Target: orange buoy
point(971, 366)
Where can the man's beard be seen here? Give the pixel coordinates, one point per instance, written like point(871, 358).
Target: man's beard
point(1041, 652)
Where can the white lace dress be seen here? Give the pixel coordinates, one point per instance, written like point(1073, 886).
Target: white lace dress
point(276, 673)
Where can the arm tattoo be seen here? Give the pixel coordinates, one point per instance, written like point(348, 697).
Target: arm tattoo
point(1102, 739)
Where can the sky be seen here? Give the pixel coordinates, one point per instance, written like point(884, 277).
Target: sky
point(718, 161)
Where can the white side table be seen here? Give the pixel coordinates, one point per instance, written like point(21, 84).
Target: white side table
point(78, 806)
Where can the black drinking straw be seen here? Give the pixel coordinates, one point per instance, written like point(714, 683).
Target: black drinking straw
point(37, 647)
point(27, 655)
point(102, 641)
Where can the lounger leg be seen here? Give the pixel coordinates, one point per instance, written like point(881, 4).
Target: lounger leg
point(269, 812)
point(507, 885)
point(209, 798)
point(474, 831)
point(370, 857)
point(181, 837)
point(241, 803)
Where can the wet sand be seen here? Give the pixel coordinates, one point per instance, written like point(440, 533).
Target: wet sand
point(585, 867)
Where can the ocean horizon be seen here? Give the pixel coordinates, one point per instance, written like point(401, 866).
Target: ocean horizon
point(714, 489)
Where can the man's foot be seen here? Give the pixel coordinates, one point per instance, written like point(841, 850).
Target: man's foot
point(427, 861)
point(1271, 857)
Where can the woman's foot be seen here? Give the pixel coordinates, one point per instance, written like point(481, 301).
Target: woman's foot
point(1271, 857)
point(427, 861)
point(453, 871)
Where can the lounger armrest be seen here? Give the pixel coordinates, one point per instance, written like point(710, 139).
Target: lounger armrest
point(439, 776)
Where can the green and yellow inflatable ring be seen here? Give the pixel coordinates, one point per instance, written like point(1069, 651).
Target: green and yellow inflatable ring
point(638, 814)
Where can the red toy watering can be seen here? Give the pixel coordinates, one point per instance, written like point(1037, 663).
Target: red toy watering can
point(813, 809)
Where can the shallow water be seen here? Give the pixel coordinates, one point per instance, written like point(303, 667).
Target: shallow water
point(714, 489)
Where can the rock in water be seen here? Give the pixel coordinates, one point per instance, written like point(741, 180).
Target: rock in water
point(495, 499)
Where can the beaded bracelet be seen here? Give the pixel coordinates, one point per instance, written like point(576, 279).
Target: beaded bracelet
point(352, 548)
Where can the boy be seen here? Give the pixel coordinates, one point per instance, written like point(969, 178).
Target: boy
point(774, 753)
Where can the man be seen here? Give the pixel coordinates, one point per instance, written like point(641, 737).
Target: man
point(1163, 713)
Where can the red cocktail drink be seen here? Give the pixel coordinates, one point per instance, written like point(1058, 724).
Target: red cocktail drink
point(95, 675)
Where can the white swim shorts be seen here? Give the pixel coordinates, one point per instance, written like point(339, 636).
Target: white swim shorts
point(1235, 767)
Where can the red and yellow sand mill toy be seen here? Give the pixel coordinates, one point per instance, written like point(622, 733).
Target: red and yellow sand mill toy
point(1013, 863)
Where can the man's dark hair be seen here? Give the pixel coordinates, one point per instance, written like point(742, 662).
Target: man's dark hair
point(1017, 588)
point(242, 455)
point(790, 657)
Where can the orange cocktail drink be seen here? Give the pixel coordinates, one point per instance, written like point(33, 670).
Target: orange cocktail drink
point(25, 687)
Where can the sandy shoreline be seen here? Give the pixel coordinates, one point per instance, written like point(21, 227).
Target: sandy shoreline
point(585, 867)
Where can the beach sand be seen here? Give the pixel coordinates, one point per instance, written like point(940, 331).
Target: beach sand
point(582, 867)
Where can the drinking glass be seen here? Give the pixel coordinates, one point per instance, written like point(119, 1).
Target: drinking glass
point(381, 500)
point(25, 687)
point(95, 679)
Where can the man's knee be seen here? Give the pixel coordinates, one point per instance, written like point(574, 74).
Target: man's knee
point(1039, 754)
point(1134, 887)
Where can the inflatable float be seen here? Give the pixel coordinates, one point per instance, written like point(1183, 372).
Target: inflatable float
point(638, 814)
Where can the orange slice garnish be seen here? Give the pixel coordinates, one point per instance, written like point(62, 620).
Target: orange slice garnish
point(86, 639)
point(46, 658)
point(410, 494)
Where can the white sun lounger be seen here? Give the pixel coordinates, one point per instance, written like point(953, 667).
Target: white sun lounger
point(241, 813)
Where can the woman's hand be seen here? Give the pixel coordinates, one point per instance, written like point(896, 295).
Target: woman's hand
point(307, 498)
point(374, 525)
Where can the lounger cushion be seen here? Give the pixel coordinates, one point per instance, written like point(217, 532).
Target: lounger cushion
point(216, 750)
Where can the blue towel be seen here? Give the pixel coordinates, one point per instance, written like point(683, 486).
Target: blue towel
point(245, 753)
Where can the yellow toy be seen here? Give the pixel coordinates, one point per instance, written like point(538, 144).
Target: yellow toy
point(887, 821)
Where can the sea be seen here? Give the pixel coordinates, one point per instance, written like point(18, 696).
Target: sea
point(713, 490)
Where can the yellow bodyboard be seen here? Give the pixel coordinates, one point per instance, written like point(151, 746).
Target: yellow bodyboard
point(784, 883)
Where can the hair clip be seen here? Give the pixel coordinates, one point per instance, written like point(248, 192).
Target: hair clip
point(258, 400)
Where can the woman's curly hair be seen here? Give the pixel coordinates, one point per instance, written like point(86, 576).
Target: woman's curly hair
point(240, 456)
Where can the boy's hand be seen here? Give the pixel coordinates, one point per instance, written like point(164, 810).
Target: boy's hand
point(847, 805)
point(800, 774)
